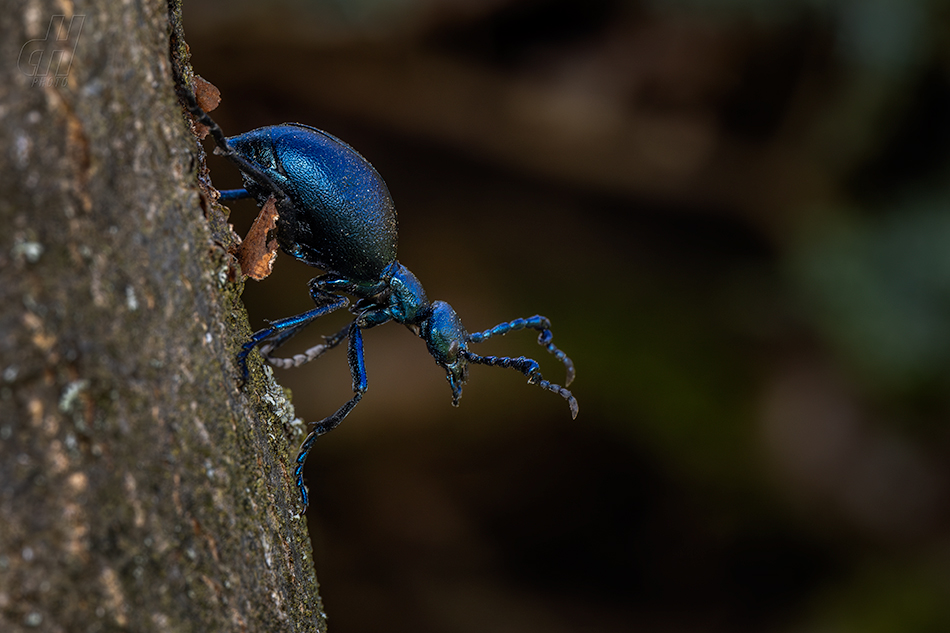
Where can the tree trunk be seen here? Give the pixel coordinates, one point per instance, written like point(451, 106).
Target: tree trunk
point(141, 488)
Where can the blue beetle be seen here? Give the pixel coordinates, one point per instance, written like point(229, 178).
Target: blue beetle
point(336, 214)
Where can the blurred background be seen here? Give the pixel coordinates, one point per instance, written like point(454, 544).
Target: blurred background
point(735, 212)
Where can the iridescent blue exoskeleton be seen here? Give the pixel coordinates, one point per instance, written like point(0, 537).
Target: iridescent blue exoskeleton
point(336, 214)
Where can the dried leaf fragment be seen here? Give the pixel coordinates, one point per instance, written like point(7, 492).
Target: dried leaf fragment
point(208, 97)
point(256, 253)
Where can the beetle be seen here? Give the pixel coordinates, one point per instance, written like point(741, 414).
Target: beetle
point(335, 213)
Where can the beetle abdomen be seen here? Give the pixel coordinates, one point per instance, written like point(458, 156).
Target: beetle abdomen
point(341, 217)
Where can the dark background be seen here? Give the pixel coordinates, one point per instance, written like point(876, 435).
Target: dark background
point(735, 214)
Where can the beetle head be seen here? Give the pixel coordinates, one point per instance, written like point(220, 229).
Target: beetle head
point(447, 341)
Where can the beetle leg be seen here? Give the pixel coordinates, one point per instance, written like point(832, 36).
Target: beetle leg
point(358, 372)
point(281, 330)
point(225, 149)
point(232, 194)
point(315, 352)
point(529, 367)
point(536, 322)
point(367, 319)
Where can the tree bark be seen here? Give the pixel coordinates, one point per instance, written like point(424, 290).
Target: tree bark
point(141, 488)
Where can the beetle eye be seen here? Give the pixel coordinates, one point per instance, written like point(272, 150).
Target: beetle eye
point(453, 349)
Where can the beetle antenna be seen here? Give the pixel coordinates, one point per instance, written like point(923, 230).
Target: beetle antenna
point(537, 322)
point(530, 368)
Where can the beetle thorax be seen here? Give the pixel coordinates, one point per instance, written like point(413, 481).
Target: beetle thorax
point(408, 303)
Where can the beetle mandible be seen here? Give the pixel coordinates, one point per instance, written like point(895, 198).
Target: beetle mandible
point(336, 214)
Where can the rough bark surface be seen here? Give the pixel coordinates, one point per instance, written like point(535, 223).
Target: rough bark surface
point(140, 487)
